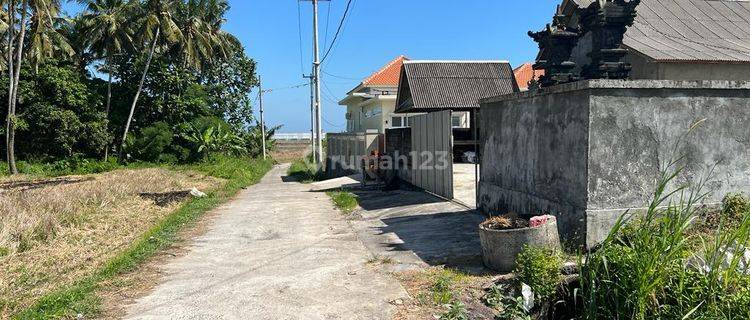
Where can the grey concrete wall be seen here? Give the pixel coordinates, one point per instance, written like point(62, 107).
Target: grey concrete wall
point(591, 150)
point(534, 157)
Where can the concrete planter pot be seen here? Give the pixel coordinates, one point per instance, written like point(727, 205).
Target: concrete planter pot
point(501, 247)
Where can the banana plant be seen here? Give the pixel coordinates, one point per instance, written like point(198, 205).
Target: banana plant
point(216, 140)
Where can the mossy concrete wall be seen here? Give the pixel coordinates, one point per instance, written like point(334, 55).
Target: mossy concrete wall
point(589, 151)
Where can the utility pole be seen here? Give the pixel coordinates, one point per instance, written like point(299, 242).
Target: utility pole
point(316, 72)
point(318, 136)
point(312, 113)
point(262, 121)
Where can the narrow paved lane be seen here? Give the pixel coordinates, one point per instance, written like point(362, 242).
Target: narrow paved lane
point(278, 251)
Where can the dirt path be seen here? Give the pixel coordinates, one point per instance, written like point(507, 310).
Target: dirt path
point(277, 252)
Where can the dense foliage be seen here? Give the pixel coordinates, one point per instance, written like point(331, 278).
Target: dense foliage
point(185, 80)
point(59, 113)
point(661, 267)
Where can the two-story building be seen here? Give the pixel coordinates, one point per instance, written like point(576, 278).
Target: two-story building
point(370, 107)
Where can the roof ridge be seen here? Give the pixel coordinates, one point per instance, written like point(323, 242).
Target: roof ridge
point(385, 68)
point(455, 61)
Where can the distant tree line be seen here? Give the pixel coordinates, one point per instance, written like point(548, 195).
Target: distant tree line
point(150, 80)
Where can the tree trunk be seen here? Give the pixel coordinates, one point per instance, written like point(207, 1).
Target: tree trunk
point(9, 119)
point(140, 88)
point(109, 98)
point(19, 56)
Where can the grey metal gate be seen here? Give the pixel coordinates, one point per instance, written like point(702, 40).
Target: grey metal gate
point(432, 153)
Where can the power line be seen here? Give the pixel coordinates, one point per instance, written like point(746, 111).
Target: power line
point(328, 19)
point(340, 77)
point(329, 91)
point(338, 31)
point(299, 32)
point(286, 88)
point(329, 123)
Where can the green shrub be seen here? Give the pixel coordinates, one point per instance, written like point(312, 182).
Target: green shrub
point(60, 113)
point(344, 200)
point(650, 270)
point(540, 269)
point(65, 167)
point(151, 142)
point(456, 311)
point(512, 309)
point(305, 171)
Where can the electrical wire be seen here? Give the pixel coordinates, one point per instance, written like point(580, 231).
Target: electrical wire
point(340, 77)
point(328, 19)
point(287, 88)
point(328, 91)
point(299, 32)
point(338, 31)
point(332, 124)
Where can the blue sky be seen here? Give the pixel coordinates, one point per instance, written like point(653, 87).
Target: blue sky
point(376, 31)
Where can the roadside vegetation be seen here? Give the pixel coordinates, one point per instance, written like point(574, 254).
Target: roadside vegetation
point(305, 170)
point(665, 266)
point(441, 293)
point(344, 200)
point(61, 241)
point(170, 86)
point(676, 260)
point(113, 116)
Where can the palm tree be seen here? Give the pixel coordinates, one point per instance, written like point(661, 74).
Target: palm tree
point(3, 33)
point(46, 38)
point(15, 55)
point(106, 31)
point(156, 20)
point(203, 39)
point(41, 16)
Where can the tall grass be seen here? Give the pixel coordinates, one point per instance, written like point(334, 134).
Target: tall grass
point(80, 297)
point(66, 167)
point(648, 269)
point(305, 171)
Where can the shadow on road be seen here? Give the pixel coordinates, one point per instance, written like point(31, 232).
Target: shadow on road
point(448, 238)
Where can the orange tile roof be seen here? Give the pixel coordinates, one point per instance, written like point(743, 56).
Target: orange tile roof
point(388, 75)
point(525, 73)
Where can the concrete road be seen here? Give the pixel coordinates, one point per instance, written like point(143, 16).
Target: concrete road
point(464, 184)
point(276, 252)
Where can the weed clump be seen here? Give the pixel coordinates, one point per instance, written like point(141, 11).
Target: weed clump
point(651, 270)
point(539, 268)
point(304, 171)
point(344, 200)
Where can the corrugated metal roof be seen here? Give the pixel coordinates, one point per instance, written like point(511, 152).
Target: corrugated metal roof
point(692, 30)
point(440, 85)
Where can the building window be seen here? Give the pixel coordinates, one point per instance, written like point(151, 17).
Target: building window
point(397, 122)
point(372, 112)
point(456, 121)
point(460, 120)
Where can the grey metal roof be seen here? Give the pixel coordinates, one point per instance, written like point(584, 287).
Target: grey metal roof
point(692, 30)
point(440, 85)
